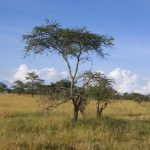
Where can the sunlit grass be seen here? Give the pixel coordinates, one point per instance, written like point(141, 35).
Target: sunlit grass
point(124, 125)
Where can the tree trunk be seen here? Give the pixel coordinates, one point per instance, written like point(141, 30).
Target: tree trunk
point(75, 113)
point(32, 92)
point(97, 109)
point(100, 109)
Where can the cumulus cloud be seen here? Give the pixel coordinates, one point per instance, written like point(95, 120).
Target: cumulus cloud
point(21, 72)
point(124, 79)
point(48, 74)
point(127, 81)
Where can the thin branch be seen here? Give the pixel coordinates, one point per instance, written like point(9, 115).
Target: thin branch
point(51, 107)
point(77, 64)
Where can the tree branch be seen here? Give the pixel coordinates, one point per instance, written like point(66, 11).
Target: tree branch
point(104, 105)
point(53, 106)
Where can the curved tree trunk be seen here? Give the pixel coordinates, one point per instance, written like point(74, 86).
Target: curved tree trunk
point(99, 109)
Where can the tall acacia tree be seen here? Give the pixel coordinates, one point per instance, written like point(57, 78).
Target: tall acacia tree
point(75, 44)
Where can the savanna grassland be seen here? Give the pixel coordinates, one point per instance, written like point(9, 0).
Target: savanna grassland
point(124, 125)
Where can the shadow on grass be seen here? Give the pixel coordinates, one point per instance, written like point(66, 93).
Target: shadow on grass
point(111, 124)
point(89, 121)
point(103, 121)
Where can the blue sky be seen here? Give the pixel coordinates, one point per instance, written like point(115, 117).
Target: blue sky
point(127, 21)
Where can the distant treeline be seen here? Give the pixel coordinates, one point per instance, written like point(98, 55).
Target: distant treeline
point(61, 89)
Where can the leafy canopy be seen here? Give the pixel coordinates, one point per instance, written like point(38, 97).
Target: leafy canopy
point(33, 80)
point(3, 87)
point(100, 87)
point(69, 42)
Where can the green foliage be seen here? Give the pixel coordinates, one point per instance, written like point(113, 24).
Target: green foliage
point(63, 83)
point(100, 87)
point(68, 42)
point(33, 83)
point(3, 87)
point(136, 97)
point(59, 90)
point(19, 87)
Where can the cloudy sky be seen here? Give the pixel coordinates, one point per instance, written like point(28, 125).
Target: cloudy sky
point(127, 21)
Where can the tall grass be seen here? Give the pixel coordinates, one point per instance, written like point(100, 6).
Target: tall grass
point(125, 125)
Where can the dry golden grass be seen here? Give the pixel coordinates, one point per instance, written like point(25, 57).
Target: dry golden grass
point(125, 125)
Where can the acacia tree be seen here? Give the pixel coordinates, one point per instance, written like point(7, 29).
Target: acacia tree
point(72, 44)
point(19, 87)
point(100, 89)
point(33, 82)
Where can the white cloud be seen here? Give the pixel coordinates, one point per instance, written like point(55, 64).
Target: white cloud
point(126, 81)
point(21, 72)
point(48, 74)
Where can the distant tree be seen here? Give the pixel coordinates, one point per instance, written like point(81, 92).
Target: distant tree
point(33, 82)
point(63, 87)
point(55, 94)
point(100, 89)
point(9, 90)
point(72, 44)
point(60, 90)
point(135, 96)
point(126, 96)
point(64, 83)
point(147, 98)
point(3, 87)
point(19, 87)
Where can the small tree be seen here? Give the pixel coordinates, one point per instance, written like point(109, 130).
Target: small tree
point(100, 89)
point(19, 87)
point(33, 82)
point(71, 44)
point(3, 87)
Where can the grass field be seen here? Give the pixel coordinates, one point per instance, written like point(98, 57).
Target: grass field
point(125, 125)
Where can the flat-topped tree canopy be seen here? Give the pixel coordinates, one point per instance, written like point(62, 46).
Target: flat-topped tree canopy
point(69, 42)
